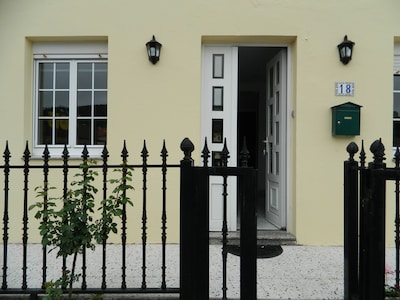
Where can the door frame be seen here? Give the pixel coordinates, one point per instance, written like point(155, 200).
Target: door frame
point(289, 115)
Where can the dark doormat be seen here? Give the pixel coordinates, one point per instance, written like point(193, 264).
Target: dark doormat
point(263, 251)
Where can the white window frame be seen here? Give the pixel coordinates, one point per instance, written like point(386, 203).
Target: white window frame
point(74, 53)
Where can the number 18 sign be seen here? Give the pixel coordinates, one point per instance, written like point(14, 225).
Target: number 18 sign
point(344, 88)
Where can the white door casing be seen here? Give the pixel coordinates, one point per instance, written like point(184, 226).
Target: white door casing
point(219, 122)
point(275, 142)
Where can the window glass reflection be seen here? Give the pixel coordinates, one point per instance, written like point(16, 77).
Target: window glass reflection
point(83, 132)
point(45, 104)
point(396, 83)
point(62, 76)
point(100, 76)
point(100, 104)
point(46, 75)
point(84, 104)
point(84, 76)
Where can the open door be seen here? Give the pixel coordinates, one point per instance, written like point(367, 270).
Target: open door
point(219, 123)
point(275, 142)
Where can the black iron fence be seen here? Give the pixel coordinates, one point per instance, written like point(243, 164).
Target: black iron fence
point(64, 167)
point(194, 223)
point(364, 222)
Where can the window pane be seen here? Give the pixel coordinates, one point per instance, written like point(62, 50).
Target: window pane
point(101, 132)
point(100, 75)
point(45, 104)
point(396, 133)
point(84, 76)
point(46, 75)
point(271, 82)
point(396, 83)
point(83, 131)
point(217, 130)
point(61, 132)
point(396, 105)
point(62, 76)
point(62, 104)
point(84, 104)
point(100, 104)
point(218, 98)
point(44, 132)
point(218, 66)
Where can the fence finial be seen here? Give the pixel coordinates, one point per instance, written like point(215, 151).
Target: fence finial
point(362, 155)
point(205, 154)
point(85, 153)
point(378, 149)
point(187, 147)
point(352, 149)
point(124, 153)
point(225, 154)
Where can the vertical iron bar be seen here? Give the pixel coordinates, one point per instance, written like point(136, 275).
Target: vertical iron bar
point(65, 157)
point(104, 156)
point(225, 156)
point(164, 155)
point(124, 155)
point(397, 216)
point(224, 238)
point(6, 156)
point(85, 157)
point(351, 224)
point(27, 155)
point(144, 213)
point(46, 157)
point(363, 221)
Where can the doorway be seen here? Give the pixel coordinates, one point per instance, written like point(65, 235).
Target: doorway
point(261, 120)
point(244, 95)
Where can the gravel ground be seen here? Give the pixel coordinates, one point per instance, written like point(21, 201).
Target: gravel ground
point(298, 273)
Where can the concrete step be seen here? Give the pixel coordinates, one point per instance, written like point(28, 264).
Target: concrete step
point(264, 237)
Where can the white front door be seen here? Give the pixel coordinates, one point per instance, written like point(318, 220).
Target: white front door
point(219, 123)
point(275, 142)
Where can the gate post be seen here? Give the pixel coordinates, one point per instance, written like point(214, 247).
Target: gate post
point(194, 225)
point(374, 234)
point(248, 235)
point(351, 224)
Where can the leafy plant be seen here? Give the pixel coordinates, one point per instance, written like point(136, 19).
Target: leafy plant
point(73, 226)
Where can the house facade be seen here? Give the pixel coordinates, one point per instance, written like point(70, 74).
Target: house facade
point(77, 72)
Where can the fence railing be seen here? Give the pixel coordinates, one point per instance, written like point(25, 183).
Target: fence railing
point(194, 269)
point(64, 167)
point(364, 222)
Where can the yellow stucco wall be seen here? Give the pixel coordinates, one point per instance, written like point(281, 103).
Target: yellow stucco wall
point(163, 101)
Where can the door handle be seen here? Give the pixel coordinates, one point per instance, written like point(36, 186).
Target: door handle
point(265, 146)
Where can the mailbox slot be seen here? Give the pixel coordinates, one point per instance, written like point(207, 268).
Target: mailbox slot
point(346, 119)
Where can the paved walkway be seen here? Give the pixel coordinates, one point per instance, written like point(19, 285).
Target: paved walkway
point(298, 273)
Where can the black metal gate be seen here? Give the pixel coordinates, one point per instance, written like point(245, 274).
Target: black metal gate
point(195, 225)
point(364, 222)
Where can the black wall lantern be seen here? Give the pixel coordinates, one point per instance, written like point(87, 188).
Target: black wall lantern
point(153, 50)
point(345, 50)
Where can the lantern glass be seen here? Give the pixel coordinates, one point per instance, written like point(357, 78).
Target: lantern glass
point(345, 50)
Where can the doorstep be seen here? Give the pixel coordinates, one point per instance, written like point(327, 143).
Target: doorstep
point(264, 237)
